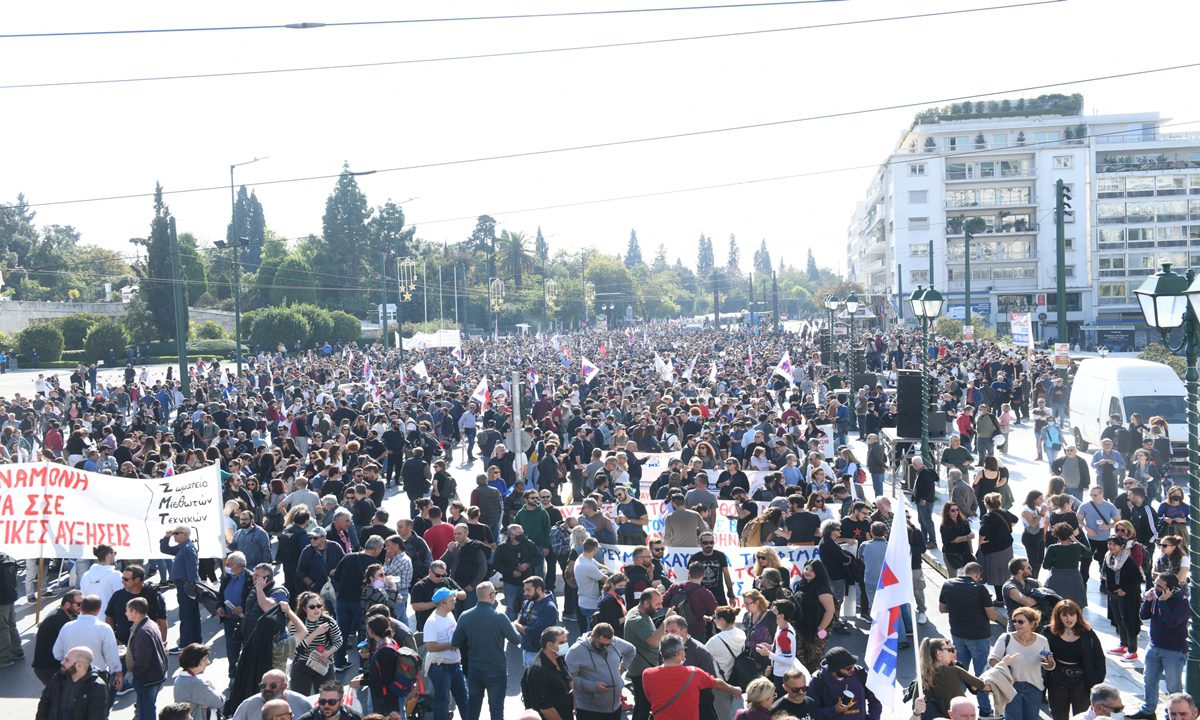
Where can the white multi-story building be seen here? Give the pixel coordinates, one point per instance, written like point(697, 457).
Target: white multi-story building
point(1144, 211)
point(993, 171)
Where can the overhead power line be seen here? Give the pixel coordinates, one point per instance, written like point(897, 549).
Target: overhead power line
point(642, 140)
point(416, 21)
point(513, 53)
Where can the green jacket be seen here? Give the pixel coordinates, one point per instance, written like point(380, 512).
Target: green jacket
point(536, 523)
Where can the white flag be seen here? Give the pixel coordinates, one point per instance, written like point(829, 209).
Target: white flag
point(482, 394)
point(712, 374)
point(687, 374)
point(784, 368)
point(419, 369)
point(895, 589)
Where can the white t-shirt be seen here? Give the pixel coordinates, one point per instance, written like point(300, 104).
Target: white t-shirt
point(440, 630)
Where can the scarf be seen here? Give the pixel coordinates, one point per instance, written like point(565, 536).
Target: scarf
point(1115, 562)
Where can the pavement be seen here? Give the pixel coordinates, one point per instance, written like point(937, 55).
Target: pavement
point(23, 689)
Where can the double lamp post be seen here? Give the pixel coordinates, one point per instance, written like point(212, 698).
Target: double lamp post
point(927, 306)
point(1169, 301)
point(850, 305)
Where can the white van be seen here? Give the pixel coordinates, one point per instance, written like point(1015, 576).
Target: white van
point(1123, 386)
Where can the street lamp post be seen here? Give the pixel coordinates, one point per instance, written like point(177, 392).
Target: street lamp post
point(234, 241)
point(406, 280)
point(831, 305)
point(926, 305)
point(851, 305)
point(589, 297)
point(1170, 300)
point(496, 296)
point(550, 288)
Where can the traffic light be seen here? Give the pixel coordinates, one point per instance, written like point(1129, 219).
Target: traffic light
point(1063, 202)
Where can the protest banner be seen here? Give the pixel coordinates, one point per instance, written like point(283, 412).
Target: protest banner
point(658, 510)
point(656, 462)
point(741, 561)
point(827, 446)
point(54, 511)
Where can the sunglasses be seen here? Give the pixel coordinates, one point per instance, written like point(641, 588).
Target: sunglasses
point(314, 607)
point(439, 575)
point(328, 701)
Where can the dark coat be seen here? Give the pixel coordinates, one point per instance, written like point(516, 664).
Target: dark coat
point(256, 658)
point(90, 704)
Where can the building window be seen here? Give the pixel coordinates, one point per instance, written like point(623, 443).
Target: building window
point(1074, 301)
point(916, 169)
point(919, 250)
point(919, 276)
point(918, 197)
point(1063, 162)
point(1000, 140)
point(1045, 138)
point(1112, 293)
point(918, 223)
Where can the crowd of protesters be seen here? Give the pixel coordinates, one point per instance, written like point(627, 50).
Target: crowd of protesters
point(330, 605)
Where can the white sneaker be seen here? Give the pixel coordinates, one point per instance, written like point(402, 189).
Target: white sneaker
point(921, 619)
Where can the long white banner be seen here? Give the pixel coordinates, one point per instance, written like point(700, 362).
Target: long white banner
point(51, 510)
point(741, 562)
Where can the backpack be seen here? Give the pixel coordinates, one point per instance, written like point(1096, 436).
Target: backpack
point(682, 605)
point(744, 669)
point(860, 476)
point(407, 664)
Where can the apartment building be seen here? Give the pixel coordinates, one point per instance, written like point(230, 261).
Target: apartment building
point(990, 168)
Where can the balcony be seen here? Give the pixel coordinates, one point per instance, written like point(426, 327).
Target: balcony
point(1144, 137)
point(972, 176)
point(998, 203)
point(1018, 227)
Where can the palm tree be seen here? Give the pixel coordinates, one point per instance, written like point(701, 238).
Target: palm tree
point(516, 256)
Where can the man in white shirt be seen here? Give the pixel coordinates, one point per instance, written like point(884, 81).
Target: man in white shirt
point(445, 660)
point(89, 631)
point(103, 578)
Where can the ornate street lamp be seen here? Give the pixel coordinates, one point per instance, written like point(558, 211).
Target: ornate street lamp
point(927, 306)
point(1170, 300)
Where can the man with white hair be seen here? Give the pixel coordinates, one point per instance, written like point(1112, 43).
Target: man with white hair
point(76, 687)
point(274, 688)
point(963, 708)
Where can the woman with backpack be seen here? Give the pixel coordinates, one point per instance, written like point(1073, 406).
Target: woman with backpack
point(391, 670)
point(1049, 439)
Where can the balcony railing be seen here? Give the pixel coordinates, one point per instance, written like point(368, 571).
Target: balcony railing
point(955, 205)
point(1147, 137)
point(1005, 229)
point(994, 175)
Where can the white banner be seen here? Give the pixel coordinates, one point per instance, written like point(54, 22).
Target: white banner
point(1022, 329)
point(57, 511)
point(446, 337)
point(741, 562)
point(655, 462)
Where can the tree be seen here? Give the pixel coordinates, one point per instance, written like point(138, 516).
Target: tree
point(140, 321)
point(705, 261)
point(541, 248)
point(275, 326)
point(209, 330)
point(1157, 352)
point(814, 274)
point(343, 253)
point(43, 337)
point(320, 324)
point(762, 259)
point(17, 232)
point(106, 339)
point(248, 222)
point(195, 274)
point(346, 328)
point(483, 240)
point(75, 327)
point(155, 281)
point(517, 260)
point(735, 254)
point(660, 259)
point(633, 251)
point(293, 282)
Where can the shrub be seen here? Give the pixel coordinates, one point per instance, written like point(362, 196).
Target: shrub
point(46, 338)
point(218, 348)
point(209, 330)
point(346, 328)
point(320, 324)
point(276, 325)
point(1157, 352)
point(105, 339)
point(75, 328)
point(947, 327)
point(8, 342)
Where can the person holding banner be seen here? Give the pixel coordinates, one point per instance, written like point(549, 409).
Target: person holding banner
point(185, 571)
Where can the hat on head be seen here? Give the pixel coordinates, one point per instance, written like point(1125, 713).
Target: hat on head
point(839, 658)
point(316, 532)
point(441, 594)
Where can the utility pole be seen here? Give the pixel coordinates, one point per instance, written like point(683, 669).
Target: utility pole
point(399, 322)
point(775, 301)
point(753, 315)
point(900, 291)
point(966, 273)
point(1062, 204)
point(930, 269)
point(181, 314)
point(716, 301)
point(456, 296)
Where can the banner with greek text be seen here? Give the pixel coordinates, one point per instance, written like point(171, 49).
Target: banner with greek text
point(658, 510)
point(741, 562)
point(52, 510)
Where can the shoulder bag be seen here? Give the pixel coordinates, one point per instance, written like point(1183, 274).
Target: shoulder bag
point(669, 703)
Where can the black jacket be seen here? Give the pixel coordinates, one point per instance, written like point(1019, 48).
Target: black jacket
point(256, 658)
point(508, 557)
point(43, 645)
point(469, 564)
point(90, 704)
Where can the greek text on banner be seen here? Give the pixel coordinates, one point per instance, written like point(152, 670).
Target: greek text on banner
point(51, 510)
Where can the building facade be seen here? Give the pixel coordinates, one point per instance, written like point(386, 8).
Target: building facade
point(994, 174)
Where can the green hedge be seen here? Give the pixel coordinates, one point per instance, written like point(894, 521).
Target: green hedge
point(46, 338)
point(346, 328)
point(104, 339)
point(279, 325)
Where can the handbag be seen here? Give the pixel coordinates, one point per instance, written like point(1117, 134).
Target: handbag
point(1067, 676)
point(744, 668)
point(318, 666)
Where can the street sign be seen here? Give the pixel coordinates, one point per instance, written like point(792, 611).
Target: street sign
point(1062, 356)
point(968, 333)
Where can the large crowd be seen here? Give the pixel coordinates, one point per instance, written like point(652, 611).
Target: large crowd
point(331, 606)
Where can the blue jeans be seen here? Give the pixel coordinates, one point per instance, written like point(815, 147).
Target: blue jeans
point(973, 655)
point(145, 696)
point(189, 618)
point(470, 449)
point(448, 680)
point(984, 447)
point(925, 518)
point(496, 684)
point(512, 599)
point(1026, 704)
point(528, 658)
point(877, 483)
point(584, 616)
point(1076, 493)
point(349, 617)
point(1160, 663)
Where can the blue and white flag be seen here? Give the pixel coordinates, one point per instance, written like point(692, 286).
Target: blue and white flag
point(895, 589)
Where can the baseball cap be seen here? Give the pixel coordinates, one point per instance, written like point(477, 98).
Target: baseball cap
point(317, 531)
point(441, 594)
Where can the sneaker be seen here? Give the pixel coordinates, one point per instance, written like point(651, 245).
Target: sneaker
point(1118, 651)
point(342, 668)
point(175, 650)
point(125, 689)
point(8, 663)
point(921, 619)
point(1130, 656)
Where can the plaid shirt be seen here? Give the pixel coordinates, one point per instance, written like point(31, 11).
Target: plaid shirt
point(401, 568)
